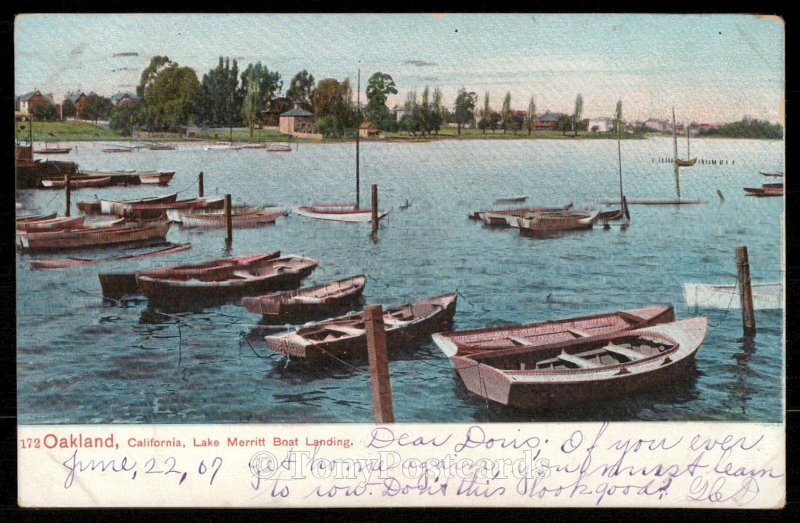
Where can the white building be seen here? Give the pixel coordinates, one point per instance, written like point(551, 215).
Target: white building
point(601, 125)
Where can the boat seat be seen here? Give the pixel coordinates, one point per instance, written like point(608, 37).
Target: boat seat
point(393, 322)
point(344, 329)
point(243, 274)
point(575, 360)
point(579, 333)
point(521, 341)
point(632, 355)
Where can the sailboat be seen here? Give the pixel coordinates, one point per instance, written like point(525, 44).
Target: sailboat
point(607, 216)
point(687, 162)
point(344, 212)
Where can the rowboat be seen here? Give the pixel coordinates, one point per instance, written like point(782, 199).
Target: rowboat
point(35, 218)
point(159, 178)
point(685, 163)
point(254, 146)
point(64, 263)
point(765, 296)
point(222, 147)
point(127, 177)
point(595, 368)
point(177, 215)
point(767, 189)
point(55, 223)
point(242, 219)
point(54, 150)
point(608, 216)
point(545, 223)
point(118, 150)
point(469, 342)
point(78, 182)
point(94, 237)
point(279, 148)
point(511, 199)
point(340, 214)
point(161, 146)
point(775, 174)
point(506, 217)
point(115, 284)
point(76, 224)
point(308, 300)
point(346, 336)
point(109, 206)
point(285, 272)
point(155, 210)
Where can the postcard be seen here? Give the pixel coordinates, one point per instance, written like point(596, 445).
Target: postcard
point(374, 260)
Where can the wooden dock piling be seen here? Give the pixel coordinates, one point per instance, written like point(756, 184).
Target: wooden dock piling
point(228, 222)
point(200, 189)
point(382, 406)
point(67, 194)
point(746, 293)
point(374, 208)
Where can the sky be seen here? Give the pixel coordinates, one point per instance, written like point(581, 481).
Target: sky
point(711, 68)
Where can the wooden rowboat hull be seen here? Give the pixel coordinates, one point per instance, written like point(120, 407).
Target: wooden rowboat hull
point(356, 345)
point(686, 163)
point(110, 206)
point(156, 179)
point(83, 238)
point(187, 294)
point(364, 215)
point(237, 220)
point(80, 183)
point(532, 390)
point(51, 224)
point(476, 341)
point(64, 150)
point(283, 306)
point(118, 284)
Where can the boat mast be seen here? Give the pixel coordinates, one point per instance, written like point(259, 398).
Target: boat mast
point(688, 149)
point(619, 157)
point(675, 152)
point(358, 125)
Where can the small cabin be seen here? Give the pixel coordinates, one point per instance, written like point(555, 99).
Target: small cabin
point(297, 120)
point(368, 130)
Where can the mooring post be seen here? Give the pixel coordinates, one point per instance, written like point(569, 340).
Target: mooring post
point(374, 208)
point(378, 364)
point(200, 191)
point(228, 221)
point(67, 194)
point(746, 293)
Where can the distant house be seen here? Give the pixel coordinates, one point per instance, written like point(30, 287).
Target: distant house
point(600, 125)
point(296, 120)
point(548, 121)
point(27, 102)
point(368, 130)
point(124, 98)
point(655, 124)
point(78, 98)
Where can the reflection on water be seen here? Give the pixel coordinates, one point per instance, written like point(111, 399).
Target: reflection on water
point(80, 360)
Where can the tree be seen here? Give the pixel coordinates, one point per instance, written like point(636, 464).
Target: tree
point(436, 116)
point(45, 111)
point(618, 115)
point(379, 87)
point(169, 101)
point(268, 85)
point(578, 112)
point(68, 109)
point(530, 117)
point(301, 88)
point(127, 117)
point(464, 108)
point(157, 64)
point(507, 115)
point(332, 103)
point(251, 107)
point(487, 110)
point(97, 107)
point(220, 100)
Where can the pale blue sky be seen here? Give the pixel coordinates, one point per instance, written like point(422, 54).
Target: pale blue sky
point(710, 67)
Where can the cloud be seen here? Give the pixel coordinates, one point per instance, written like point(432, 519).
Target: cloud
point(419, 63)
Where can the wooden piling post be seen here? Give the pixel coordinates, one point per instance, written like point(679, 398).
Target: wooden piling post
point(746, 293)
point(382, 406)
point(200, 191)
point(67, 194)
point(374, 208)
point(228, 221)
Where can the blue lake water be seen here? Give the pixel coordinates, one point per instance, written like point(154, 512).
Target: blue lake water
point(82, 361)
